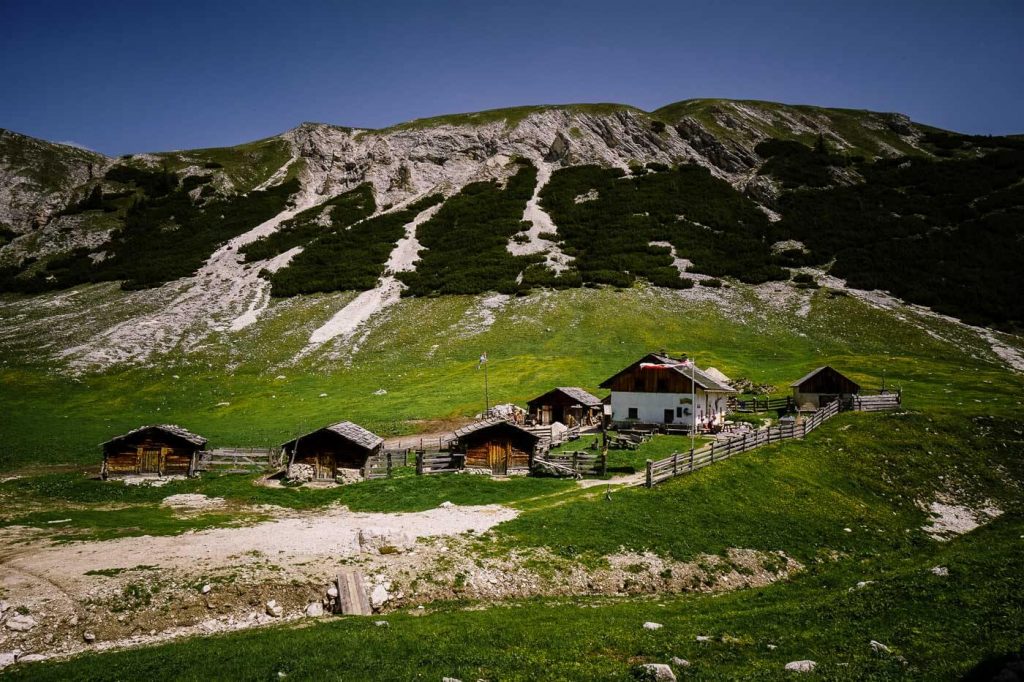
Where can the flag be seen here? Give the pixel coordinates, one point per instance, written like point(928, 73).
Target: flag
point(483, 359)
point(664, 365)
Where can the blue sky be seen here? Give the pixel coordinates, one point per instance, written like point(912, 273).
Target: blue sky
point(124, 77)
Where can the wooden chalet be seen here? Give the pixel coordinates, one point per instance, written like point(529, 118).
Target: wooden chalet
point(659, 389)
point(569, 405)
point(496, 446)
point(155, 450)
point(821, 386)
point(333, 449)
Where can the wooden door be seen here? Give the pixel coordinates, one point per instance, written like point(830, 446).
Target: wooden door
point(497, 456)
point(325, 466)
point(670, 415)
point(149, 461)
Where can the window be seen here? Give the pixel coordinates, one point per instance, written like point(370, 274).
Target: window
point(679, 412)
point(634, 413)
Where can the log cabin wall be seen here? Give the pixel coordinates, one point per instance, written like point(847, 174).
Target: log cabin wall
point(149, 455)
point(327, 452)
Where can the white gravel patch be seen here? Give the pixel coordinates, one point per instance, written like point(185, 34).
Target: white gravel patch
point(949, 520)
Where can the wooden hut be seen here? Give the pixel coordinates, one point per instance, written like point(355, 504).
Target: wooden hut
point(821, 386)
point(569, 405)
point(333, 451)
point(658, 389)
point(157, 450)
point(496, 446)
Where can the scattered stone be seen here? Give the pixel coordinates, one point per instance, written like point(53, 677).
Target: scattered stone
point(880, 648)
point(31, 658)
point(206, 589)
point(7, 659)
point(652, 626)
point(281, 674)
point(381, 623)
point(274, 610)
point(848, 530)
point(801, 666)
point(379, 596)
point(89, 637)
point(315, 610)
point(703, 638)
point(446, 505)
point(332, 592)
point(680, 662)
point(3, 607)
point(380, 391)
point(280, 376)
point(323, 395)
point(19, 623)
point(658, 672)
point(450, 679)
point(940, 571)
point(773, 647)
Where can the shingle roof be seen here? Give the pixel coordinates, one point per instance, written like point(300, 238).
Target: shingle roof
point(172, 429)
point(353, 433)
point(489, 422)
point(823, 368)
point(574, 393)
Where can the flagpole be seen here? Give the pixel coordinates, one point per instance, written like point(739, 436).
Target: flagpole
point(693, 404)
point(487, 399)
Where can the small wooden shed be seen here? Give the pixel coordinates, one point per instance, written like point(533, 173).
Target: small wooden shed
point(496, 446)
point(569, 405)
point(821, 386)
point(158, 450)
point(332, 449)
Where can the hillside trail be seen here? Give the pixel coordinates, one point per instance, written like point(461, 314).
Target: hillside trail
point(225, 294)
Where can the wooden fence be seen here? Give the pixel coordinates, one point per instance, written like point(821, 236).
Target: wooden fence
point(238, 460)
point(763, 404)
point(877, 403)
point(582, 462)
point(679, 463)
point(439, 462)
point(378, 466)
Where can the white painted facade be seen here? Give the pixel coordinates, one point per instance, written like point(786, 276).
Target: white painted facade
point(650, 408)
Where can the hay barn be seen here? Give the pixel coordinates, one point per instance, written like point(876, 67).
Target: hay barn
point(333, 450)
point(157, 450)
point(496, 446)
point(821, 386)
point(569, 405)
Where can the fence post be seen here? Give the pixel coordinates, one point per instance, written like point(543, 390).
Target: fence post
point(389, 465)
point(604, 461)
point(675, 463)
point(419, 462)
point(691, 459)
point(712, 452)
point(650, 475)
point(575, 460)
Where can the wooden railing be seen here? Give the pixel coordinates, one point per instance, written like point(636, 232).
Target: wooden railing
point(439, 462)
point(679, 463)
point(428, 444)
point(238, 460)
point(763, 404)
point(581, 461)
point(877, 403)
point(378, 465)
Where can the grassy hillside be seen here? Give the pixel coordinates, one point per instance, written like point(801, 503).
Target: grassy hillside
point(424, 352)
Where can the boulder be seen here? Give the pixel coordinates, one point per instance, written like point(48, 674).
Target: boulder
point(7, 659)
point(315, 610)
point(332, 592)
point(379, 596)
point(680, 662)
point(89, 637)
point(3, 606)
point(703, 638)
point(19, 623)
point(31, 658)
point(652, 626)
point(446, 505)
point(206, 589)
point(381, 623)
point(940, 571)
point(879, 648)
point(658, 672)
point(274, 610)
point(801, 666)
